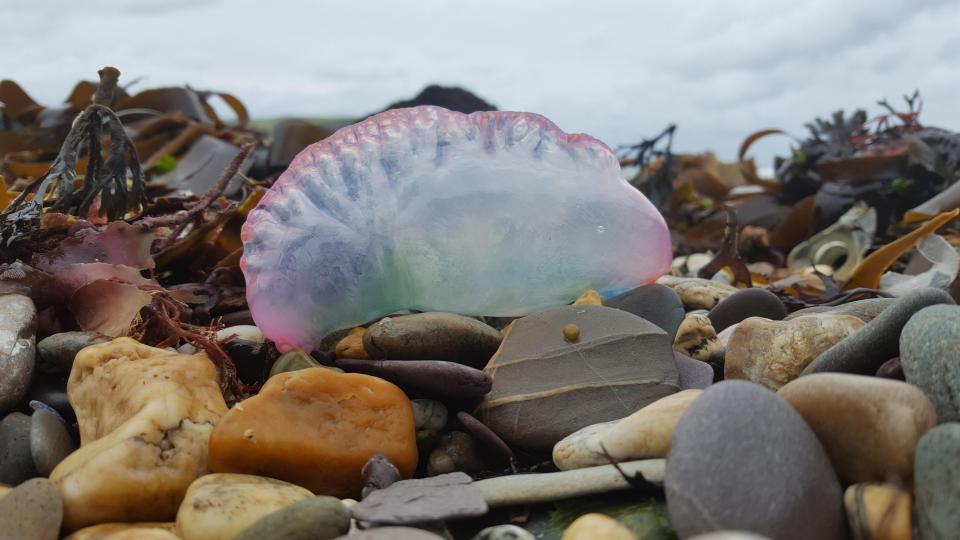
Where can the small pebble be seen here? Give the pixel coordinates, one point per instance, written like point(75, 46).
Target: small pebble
point(56, 352)
point(589, 298)
point(292, 361)
point(878, 512)
point(16, 463)
point(351, 346)
point(504, 532)
point(597, 527)
point(696, 338)
point(50, 442)
point(316, 518)
point(937, 482)
point(753, 302)
point(31, 511)
point(694, 374)
point(429, 414)
point(571, 333)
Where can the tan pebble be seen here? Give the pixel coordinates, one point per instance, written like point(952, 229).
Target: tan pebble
point(571, 333)
point(221, 506)
point(644, 434)
point(589, 298)
point(773, 353)
point(869, 426)
point(145, 418)
point(696, 337)
point(597, 527)
point(126, 531)
point(351, 346)
point(877, 512)
point(697, 293)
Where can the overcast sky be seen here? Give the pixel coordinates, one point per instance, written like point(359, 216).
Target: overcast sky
point(619, 70)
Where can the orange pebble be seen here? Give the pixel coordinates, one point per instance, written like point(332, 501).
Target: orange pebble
point(317, 428)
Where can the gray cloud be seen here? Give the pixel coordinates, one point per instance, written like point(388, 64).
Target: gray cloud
point(617, 69)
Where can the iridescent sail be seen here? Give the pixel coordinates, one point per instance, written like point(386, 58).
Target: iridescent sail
point(492, 213)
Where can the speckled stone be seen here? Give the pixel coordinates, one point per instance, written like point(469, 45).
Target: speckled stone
point(697, 293)
point(316, 518)
point(865, 310)
point(879, 340)
point(32, 511)
point(745, 303)
point(930, 357)
point(655, 303)
point(49, 441)
point(18, 323)
point(740, 448)
point(16, 464)
point(937, 482)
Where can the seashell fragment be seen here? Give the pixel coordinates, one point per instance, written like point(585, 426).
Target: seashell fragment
point(492, 213)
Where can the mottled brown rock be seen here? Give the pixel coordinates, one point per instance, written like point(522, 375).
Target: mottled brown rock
point(145, 418)
point(221, 506)
point(317, 428)
point(432, 336)
point(869, 426)
point(696, 338)
point(698, 293)
point(545, 388)
point(773, 353)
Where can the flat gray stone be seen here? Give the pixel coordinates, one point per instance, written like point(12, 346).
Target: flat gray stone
point(535, 488)
point(32, 511)
point(693, 373)
point(18, 324)
point(50, 442)
point(546, 386)
point(865, 310)
point(439, 497)
point(930, 357)
point(16, 463)
point(741, 458)
point(655, 303)
point(866, 350)
point(937, 483)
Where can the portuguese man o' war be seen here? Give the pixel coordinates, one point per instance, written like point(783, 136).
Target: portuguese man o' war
point(491, 213)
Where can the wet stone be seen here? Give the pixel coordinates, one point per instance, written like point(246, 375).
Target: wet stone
point(50, 442)
point(16, 463)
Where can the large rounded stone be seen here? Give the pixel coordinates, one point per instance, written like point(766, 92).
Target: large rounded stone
point(221, 506)
point(32, 511)
point(432, 336)
point(50, 442)
point(545, 386)
point(937, 482)
point(16, 464)
point(869, 426)
point(317, 428)
point(145, 418)
point(752, 302)
point(930, 357)
point(18, 323)
point(878, 341)
point(773, 353)
point(316, 518)
point(655, 303)
point(741, 458)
